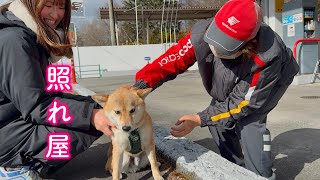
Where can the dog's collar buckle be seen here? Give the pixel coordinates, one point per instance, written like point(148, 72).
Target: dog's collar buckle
point(135, 142)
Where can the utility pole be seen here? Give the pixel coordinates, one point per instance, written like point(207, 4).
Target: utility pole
point(112, 23)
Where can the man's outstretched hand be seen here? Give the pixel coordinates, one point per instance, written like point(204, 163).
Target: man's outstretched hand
point(185, 125)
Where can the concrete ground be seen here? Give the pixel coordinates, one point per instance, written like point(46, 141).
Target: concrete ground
point(294, 126)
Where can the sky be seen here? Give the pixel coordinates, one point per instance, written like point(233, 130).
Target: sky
point(2, 1)
point(91, 10)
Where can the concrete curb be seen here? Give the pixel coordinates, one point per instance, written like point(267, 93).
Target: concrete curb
point(195, 161)
point(306, 79)
point(189, 158)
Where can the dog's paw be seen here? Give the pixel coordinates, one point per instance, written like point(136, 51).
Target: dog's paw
point(125, 171)
point(133, 169)
point(158, 164)
point(158, 178)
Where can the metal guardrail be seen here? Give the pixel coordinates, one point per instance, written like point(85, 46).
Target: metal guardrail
point(307, 40)
point(87, 71)
point(303, 40)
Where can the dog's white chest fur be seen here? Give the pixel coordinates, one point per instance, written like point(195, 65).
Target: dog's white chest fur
point(122, 139)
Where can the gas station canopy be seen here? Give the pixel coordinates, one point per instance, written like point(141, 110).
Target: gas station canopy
point(183, 13)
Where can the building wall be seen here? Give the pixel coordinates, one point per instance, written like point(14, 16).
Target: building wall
point(275, 18)
point(117, 60)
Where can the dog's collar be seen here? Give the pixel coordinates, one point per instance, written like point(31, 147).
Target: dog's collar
point(135, 142)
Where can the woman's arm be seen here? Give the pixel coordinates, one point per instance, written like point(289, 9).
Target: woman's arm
point(22, 81)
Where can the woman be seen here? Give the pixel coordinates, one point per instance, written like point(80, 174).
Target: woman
point(33, 34)
point(245, 67)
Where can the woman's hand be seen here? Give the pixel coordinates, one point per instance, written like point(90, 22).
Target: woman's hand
point(185, 125)
point(101, 122)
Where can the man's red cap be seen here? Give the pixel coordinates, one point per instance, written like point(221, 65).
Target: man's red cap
point(237, 22)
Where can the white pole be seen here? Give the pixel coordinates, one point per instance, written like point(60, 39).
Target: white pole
point(117, 33)
point(172, 7)
point(165, 30)
point(142, 21)
point(175, 23)
point(77, 48)
point(164, 2)
point(148, 38)
point(137, 28)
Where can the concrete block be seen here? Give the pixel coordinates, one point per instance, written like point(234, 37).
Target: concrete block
point(195, 161)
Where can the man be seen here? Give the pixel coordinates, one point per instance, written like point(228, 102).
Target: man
point(245, 67)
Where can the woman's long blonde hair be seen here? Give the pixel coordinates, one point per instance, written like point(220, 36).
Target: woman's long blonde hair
point(47, 36)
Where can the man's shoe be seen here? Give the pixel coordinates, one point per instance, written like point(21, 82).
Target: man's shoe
point(23, 173)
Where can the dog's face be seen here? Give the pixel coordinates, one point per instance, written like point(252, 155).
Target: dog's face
point(124, 107)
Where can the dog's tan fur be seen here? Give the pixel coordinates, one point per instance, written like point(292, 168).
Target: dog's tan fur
point(129, 101)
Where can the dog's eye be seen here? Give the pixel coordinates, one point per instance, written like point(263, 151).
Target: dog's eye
point(117, 112)
point(132, 110)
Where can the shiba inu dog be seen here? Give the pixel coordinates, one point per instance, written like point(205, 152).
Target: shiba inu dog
point(132, 140)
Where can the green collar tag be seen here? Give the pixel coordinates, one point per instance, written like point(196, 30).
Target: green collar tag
point(135, 142)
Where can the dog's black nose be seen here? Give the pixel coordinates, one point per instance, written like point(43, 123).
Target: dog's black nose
point(126, 128)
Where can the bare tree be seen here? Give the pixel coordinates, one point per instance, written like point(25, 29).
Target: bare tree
point(127, 30)
point(94, 33)
point(204, 3)
point(215, 3)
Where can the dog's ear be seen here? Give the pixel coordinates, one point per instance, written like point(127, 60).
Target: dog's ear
point(100, 98)
point(144, 92)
